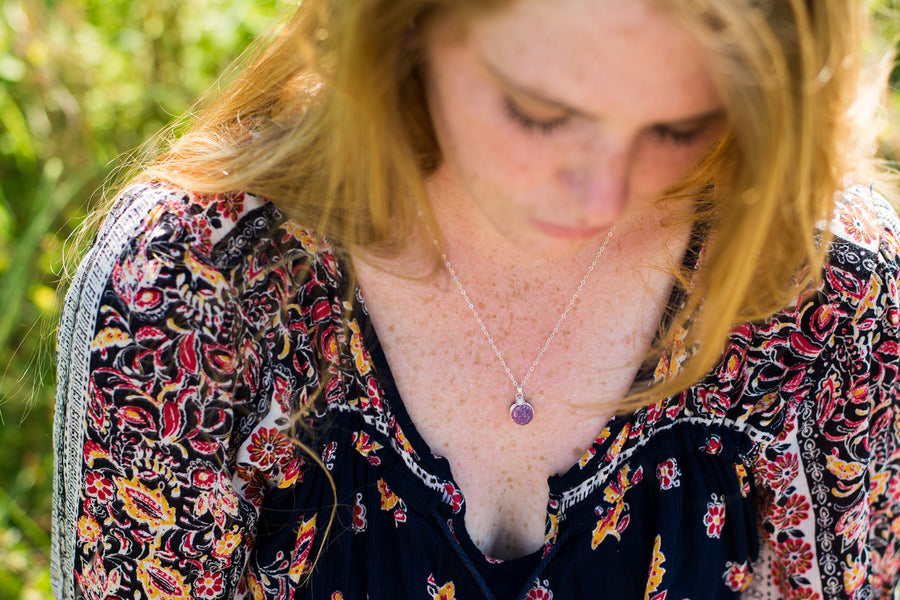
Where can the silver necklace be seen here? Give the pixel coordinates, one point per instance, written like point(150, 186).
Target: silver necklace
point(521, 411)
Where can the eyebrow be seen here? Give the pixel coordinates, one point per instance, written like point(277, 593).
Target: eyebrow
point(534, 95)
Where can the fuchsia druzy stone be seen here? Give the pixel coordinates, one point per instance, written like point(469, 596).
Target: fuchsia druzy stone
point(521, 413)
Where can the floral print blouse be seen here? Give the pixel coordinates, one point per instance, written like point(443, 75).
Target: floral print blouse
point(198, 327)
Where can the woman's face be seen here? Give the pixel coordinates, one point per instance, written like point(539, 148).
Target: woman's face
point(556, 118)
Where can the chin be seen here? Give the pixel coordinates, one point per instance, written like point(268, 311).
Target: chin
point(556, 249)
point(556, 243)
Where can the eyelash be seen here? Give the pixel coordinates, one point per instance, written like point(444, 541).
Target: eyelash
point(678, 138)
point(533, 125)
point(665, 134)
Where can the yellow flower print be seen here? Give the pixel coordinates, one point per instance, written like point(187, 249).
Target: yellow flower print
point(744, 484)
point(615, 519)
point(619, 442)
point(109, 336)
point(285, 345)
point(88, 530)
point(854, 575)
point(94, 577)
point(879, 484)
point(444, 592)
point(616, 490)
point(227, 544)
point(357, 349)
point(404, 443)
point(392, 503)
point(160, 583)
point(853, 526)
point(292, 228)
point(845, 471)
point(662, 368)
point(153, 216)
point(670, 361)
point(291, 473)
point(656, 569)
point(301, 565)
point(610, 524)
point(143, 504)
point(870, 300)
point(388, 498)
point(553, 529)
point(589, 454)
point(368, 447)
point(257, 592)
point(204, 273)
point(93, 452)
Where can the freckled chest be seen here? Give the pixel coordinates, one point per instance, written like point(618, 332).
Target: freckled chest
point(458, 396)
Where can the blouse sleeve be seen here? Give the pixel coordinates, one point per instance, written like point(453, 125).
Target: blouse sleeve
point(829, 484)
point(152, 409)
point(884, 423)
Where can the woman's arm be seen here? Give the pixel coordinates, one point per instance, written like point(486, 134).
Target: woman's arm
point(152, 389)
point(829, 485)
point(884, 425)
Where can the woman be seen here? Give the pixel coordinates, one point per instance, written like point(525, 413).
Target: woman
point(641, 366)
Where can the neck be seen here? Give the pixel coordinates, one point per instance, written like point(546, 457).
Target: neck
point(474, 245)
point(484, 257)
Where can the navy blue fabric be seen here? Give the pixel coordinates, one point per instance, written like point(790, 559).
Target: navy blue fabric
point(390, 560)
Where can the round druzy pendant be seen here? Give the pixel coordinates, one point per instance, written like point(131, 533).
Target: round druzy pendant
point(521, 412)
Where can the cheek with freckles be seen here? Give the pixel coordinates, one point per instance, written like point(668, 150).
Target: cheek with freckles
point(485, 152)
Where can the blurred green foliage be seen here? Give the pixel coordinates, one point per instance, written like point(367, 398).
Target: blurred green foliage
point(82, 81)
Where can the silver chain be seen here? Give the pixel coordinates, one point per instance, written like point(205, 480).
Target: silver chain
point(521, 384)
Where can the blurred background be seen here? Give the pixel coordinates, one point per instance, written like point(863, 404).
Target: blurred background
point(82, 83)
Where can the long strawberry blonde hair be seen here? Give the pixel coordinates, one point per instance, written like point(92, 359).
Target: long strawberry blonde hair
point(327, 118)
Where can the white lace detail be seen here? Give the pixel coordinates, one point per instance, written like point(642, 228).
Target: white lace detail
point(76, 331)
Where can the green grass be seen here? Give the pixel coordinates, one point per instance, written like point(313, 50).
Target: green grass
point(81, 81)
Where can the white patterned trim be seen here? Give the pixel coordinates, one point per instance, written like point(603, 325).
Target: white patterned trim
point(76, 331)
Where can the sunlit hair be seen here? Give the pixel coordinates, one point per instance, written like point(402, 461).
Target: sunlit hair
point(328, 120)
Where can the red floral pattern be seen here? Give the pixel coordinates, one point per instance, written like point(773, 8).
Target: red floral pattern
point(220, 320)
point(737, 576)
point(668, 474)
point(714, 519)
point(540, 591)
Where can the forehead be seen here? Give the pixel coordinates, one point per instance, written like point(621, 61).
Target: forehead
point(599, 55)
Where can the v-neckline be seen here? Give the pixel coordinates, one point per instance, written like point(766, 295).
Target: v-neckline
point(440, 467)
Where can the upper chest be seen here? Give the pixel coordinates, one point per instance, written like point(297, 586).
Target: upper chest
point(458, 393)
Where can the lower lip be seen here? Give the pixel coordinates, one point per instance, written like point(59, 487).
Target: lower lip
point(571, 233)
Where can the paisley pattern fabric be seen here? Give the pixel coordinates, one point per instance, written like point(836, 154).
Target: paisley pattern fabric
point(198, 328)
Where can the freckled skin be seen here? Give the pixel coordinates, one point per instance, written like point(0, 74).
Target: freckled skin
point(630, 68)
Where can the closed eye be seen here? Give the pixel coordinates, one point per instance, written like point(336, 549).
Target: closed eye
point(677, 137)
point(532, 124)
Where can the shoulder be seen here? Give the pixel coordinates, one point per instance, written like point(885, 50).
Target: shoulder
point(866, 222)
point(230, 241)
point(862, 265)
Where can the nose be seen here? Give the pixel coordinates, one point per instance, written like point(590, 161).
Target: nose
point(598, 180)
